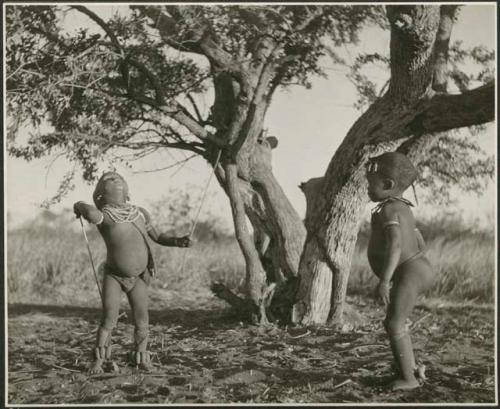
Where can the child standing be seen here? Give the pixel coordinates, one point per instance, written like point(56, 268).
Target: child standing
point(395, 254)
point(129, 264)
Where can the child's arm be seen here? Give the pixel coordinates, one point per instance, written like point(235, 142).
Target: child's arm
point(161, 238)
point(420, 240)
point(392, 254)
point(90, 213)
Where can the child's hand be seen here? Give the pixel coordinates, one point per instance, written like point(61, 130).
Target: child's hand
point(383, 291)
point(76, 210)
point(184, 241)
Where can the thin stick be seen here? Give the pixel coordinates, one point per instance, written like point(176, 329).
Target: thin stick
point(423, 317)
point(91, 260)
point(195, 220)
point(66, 369)
point(342, 383)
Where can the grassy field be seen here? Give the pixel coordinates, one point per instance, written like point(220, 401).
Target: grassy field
point(50, 263)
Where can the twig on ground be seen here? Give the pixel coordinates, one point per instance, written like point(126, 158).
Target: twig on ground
point(360, 346)
point(66, 369)
point(301, 335)
point(342, 383)
point(29, 378)
point(423, 317)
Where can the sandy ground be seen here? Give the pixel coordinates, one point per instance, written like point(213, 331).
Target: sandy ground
point(203, 354)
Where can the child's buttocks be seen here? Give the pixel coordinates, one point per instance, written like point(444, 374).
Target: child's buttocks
point(417, 269)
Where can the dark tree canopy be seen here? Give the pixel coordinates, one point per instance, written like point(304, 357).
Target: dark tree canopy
point(128, 86)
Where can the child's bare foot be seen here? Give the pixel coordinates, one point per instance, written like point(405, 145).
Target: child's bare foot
point(142, 359)
point(403, 384)
point(146, 367)
point(96, 367)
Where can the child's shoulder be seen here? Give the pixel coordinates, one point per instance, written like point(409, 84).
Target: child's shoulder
point(145, 215)
point(393, 208)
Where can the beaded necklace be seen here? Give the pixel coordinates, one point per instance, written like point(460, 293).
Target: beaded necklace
point(122, 213)
point(377, 208)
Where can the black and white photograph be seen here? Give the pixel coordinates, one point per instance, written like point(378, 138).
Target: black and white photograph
point(262, 203)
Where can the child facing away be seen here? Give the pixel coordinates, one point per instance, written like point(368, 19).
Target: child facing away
point(129, 264)
point(395, 254)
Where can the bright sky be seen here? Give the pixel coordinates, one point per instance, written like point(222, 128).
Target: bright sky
point(310, 124)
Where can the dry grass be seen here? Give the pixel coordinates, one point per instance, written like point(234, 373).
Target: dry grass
point(463, 259)
point(50, 265)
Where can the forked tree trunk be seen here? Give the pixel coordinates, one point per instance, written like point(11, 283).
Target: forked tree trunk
point(271, 214)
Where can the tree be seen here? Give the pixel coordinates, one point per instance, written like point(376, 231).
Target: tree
point(412, 113)
point(130, 86)
point(138, 86)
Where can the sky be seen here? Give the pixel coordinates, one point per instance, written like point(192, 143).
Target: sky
point(310, 124)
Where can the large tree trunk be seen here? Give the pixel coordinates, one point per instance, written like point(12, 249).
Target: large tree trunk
point(406, 117)
point(251, 185)
point(333, 220)
point(409, 111)
point(273, 217)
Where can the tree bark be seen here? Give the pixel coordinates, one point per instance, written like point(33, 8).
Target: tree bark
point(271, 215)
point(440, 79)
point(255, 278)
point(408, 115)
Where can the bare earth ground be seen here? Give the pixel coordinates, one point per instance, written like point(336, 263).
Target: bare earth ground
point(204, 355)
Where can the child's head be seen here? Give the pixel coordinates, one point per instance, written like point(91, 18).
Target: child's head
point(110, 189)
point(389, 174)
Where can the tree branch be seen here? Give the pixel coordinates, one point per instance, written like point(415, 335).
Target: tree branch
point(195, 107)
point(99, 21)
point(153, 80)
point(413, 34)
point(440, 77)
point(444, 112)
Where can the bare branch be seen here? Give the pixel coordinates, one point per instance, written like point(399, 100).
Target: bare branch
point(444, 112)
point(181, 162)
point(440, 77)
point(101, 23)
point(195, 107)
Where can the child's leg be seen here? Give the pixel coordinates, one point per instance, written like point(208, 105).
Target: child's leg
point(138, 299)
point(111, 293)
point(404, 296)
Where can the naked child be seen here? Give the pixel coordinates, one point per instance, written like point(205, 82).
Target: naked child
point(129, 264)
point(396, 256)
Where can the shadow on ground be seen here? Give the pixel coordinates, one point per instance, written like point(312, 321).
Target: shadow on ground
point(205, 355)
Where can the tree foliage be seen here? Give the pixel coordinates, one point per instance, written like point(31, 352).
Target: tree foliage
point(90, 92)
